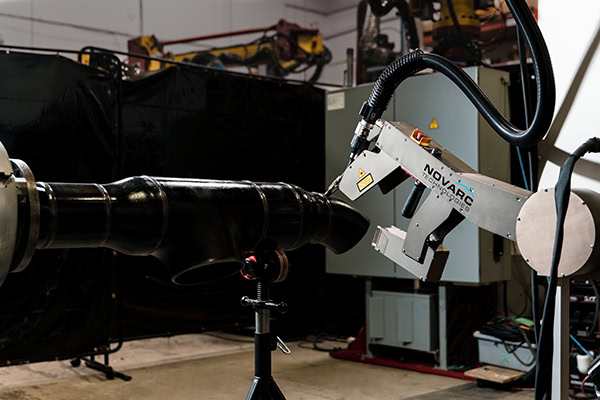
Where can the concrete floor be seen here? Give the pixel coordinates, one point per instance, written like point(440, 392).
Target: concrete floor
point(227, 374)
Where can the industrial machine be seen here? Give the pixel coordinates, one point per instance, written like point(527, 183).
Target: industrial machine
point(384, 154)
point(457, 193)
point(468, 32)
point(478, 258)
point(289, 49)
point(374, 50)
point(456, 30)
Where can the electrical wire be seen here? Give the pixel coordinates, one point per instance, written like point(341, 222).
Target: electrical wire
point(525, 180)
point(488, 18)
point(583, 384)
point(509, 330)
point(228, 338)
point(521, 278)
point(513, 352)
point(454, 18)
point(314, 341)
point(581, 346)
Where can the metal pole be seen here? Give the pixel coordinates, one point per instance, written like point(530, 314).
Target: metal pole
point(262, 334)
point(349, 67)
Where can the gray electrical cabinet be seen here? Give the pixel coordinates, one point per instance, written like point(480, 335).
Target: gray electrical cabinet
point(435, 105)
point(408, 320)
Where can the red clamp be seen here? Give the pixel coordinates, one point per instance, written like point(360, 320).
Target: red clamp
point(420, 138)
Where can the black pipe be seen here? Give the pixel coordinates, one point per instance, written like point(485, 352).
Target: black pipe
point(417, 61)
point(191, 223)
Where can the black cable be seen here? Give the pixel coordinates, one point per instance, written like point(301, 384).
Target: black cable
point(562, 192)
point(524, 77)
point(323, 60)
point(454, 18)
point(320, 338)
point(507, 329)
point(378, 9)
point(361, 15)
point(99, 50)
point(228, 338)
point(513, 352)
point(529, 345)
point(416, 61)
point(532, 175)
point(535, 293)
point(527, 106)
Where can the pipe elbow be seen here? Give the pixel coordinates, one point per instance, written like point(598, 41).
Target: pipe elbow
point(347, 227)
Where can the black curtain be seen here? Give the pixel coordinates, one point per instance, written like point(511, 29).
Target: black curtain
point(72, 123)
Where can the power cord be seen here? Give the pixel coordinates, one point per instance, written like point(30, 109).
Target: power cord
point(312, 342)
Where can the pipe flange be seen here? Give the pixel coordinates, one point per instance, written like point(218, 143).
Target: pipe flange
point(8, 214)
point(26, 184)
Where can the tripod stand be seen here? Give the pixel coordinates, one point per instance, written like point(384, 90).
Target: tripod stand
point(265, 268)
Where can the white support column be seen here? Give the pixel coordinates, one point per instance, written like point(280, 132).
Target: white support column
point(560, 357)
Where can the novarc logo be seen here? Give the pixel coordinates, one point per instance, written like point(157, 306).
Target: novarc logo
point(454, 190)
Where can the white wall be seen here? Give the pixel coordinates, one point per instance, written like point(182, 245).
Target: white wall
point(569, 29)
point(73, 24)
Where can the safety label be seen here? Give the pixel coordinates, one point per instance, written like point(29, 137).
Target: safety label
point(364, 182)
point(433, 124)
point(361, 173)
point(336, 101)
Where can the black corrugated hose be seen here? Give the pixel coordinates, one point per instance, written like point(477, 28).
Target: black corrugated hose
point(562, 192)
point(416, 61)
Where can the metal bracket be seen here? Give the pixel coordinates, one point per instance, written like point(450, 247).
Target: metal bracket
point(432, 214)
point(390, 242)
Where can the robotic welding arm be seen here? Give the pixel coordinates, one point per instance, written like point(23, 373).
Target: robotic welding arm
point(186, 223)
point(457, 193)
point(385, 153)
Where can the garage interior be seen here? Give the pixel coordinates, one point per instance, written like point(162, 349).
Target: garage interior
point(271, 199)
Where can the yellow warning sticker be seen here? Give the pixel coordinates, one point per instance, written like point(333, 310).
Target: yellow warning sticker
point(433, 124)
point(361, 173)
point(85, 59)
point(364, 182)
